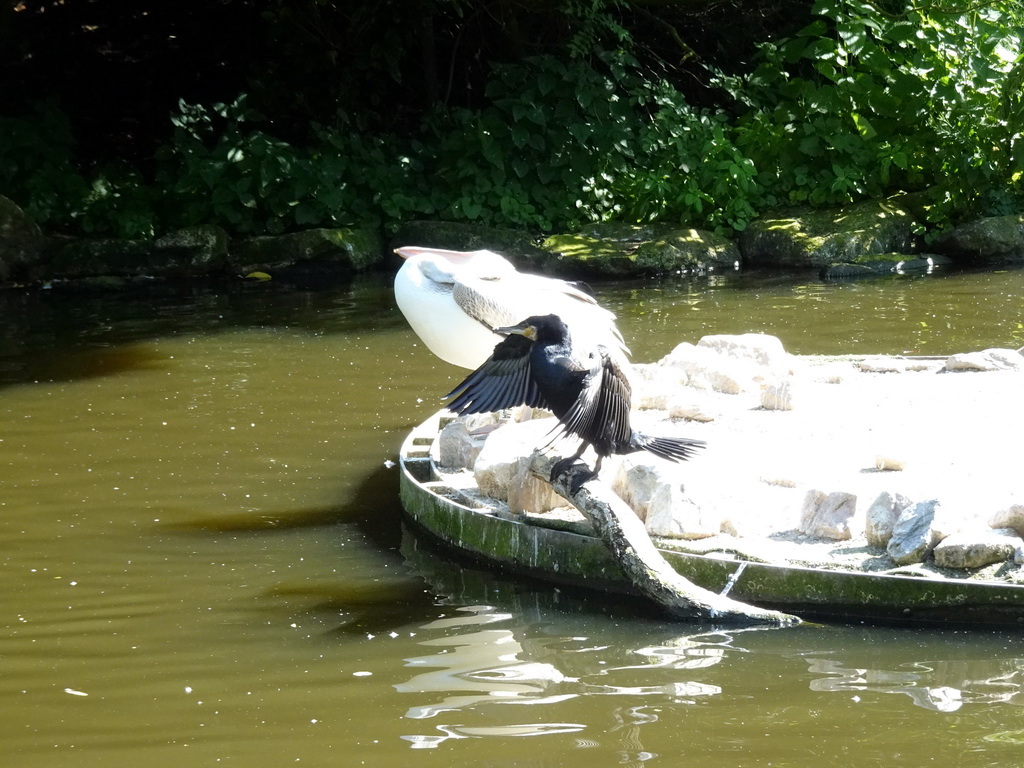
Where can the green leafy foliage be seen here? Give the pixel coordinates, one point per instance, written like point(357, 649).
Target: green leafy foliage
point(867, 100)
point(530, 157)
point(239, 176)
point(37, 170)
point(250, 182)
point(36, 167)
point(560, 144)
point(567, 143)
point(688, 169)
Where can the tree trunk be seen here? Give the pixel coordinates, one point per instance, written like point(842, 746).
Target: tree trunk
point(627, 539)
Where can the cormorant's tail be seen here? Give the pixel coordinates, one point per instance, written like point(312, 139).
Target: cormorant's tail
point(671, 448)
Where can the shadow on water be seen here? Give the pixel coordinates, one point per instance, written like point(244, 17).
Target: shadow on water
point(431, 581)
point(373, 501)
point(354, 609)
point(70, 335)
point(360, 607)
point(83, 362)
point(463, 580)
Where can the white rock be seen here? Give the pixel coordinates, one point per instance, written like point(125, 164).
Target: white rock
point(704, 368)
point(663, 389)
point(778, 396)
point(498, 462)
point(881, 517)
point(652, 384)
point(883, 364)
point(812, 501)
point(958, 514)
point(457, 449)
point(913, 536)
point(977, 549)
point(888, 462)
point(525, 413)
point(987, 360)
point(760, 348)
point(689, 411)
point(656, 493)
point(651, 400)
point(828, 515)
point(635, 483)
point(528, 494)
point(828, 440)
point(1011, 517)
point(481, 422)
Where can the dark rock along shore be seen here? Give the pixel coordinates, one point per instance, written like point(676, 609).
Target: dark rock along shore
point(861, 240)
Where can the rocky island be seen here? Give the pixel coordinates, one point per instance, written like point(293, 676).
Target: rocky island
point(902, 465)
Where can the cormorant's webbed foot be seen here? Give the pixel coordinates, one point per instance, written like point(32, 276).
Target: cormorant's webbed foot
point(580, 479)
point(561, 466)
point(564, 465)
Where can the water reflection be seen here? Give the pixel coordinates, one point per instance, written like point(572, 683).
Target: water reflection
point(941, 686)
point(492, 666)
point(922, 314)
point(524, 647)
point(483, 656)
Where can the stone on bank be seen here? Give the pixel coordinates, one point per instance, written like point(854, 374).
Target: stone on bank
point(977, 549)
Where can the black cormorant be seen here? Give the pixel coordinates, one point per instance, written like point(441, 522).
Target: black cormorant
point(538, 365)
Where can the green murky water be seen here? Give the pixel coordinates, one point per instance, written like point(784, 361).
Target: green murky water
point(202, 561)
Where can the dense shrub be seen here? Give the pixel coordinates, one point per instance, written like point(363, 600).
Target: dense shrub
point(36, 165)
point(865, 101)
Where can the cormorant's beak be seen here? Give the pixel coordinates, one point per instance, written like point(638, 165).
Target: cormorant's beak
point(523, 329)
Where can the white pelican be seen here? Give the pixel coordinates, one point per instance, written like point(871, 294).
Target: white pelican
point(454, 300)
point(540, 365)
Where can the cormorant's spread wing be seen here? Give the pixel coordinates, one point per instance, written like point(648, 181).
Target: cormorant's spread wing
point(503, 381)
point(601, 412)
